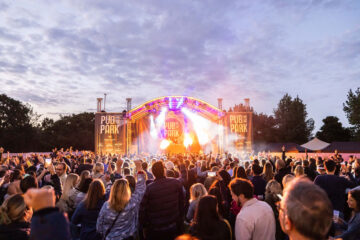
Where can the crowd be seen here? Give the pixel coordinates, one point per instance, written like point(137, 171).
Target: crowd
point(80, 195)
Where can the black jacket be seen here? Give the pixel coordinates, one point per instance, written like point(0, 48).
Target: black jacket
point(280, 175)
point(162, 206)
point(83, 167)
point(15, 231)
point(49, 223)
point(259, 185)
point(335, 187)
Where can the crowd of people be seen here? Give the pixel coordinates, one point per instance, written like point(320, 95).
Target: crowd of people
point(80, 195)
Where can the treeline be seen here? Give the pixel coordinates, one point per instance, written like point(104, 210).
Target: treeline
point(21, 130)
point(290, 123)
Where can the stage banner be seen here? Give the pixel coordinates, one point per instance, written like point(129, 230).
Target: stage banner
point(110, 133)
point(238, 131)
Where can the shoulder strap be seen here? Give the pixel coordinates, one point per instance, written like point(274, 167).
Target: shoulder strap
point(228, 224)
point(112, 225)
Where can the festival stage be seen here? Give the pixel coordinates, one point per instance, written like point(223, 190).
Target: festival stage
point(173, 124)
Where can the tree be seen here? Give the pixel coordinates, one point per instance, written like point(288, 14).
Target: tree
point(332, 130)
point(291, 122)
point(352, 110)
point(16, 129)
point(76, 130)
point(264, 128)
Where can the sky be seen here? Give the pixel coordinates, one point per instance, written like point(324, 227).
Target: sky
point(59, 56)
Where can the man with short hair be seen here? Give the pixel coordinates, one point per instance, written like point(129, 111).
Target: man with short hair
point(162, 208)
point(256, 219)
point(305, 211)
point(335, 186)
point(144, 166)
point(281, 170)
point(60, 170)
point(85, 166)
point(258, 181)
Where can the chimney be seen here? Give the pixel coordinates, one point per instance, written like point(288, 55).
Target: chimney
point(128, 104)
point(220, 103)
point(99, 100)
point(247, 103)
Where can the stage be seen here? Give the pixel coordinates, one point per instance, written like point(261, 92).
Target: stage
point(173, 124)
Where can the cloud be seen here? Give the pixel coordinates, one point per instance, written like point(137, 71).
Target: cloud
point(70, 52)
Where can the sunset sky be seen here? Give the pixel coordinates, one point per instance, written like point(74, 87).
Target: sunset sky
point(59, 56)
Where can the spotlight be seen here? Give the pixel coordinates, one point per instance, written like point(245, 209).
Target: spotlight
point(164, 144)
point(187, 140)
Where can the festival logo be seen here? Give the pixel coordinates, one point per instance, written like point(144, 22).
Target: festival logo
point(173, 130)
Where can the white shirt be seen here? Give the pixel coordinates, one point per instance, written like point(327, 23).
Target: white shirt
point(255, 221)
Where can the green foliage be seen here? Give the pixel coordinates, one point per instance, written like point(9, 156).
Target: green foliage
point(332, 130)
point(292, 124)
point(20, 130)
point(263, 128)
point(76, 130)
point(352, 110)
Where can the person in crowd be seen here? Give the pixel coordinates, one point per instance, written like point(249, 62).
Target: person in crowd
point(118, 218)
point(61, 169)
point(287, 179)
point(149, 175)
point(47, 221)
point(162, 207)
point(98, 171)
point(273, 191)
point(66, 204)
point(87, 212)
point(83, 191)
point(299, 171)
point(208, 224)
point(320, 170)
point(335, 186)
point(258, 181)
point(256, 219)
point(27, 183)
point(308, 171)
point(75, 191)
point(352, 228)
point(50, 178)
point(15, 218)
point(197, 190)
point(85, 166)
point(281, 170)
point(268, 173)
point(305, 216)
point(132, 182)
point(14, 186)
point(222, 184)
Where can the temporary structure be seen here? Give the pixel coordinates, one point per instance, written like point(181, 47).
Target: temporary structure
point(315, 145)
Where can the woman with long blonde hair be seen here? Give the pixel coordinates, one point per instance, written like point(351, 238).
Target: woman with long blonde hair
point(65, 203)
point(268, 173)
point(118, 218)
point(197, 190)
point(15, 218)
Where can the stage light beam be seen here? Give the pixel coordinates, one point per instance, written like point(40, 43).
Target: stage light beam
point(201, 126)
point(164, 144)
point(153, 131)
point(187, 140)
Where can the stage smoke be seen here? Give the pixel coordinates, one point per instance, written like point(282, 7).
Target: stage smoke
point(153, 131)
point(187, 140)
point(164, 144)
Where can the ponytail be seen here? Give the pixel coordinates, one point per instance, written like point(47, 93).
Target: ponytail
point(4, 218)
